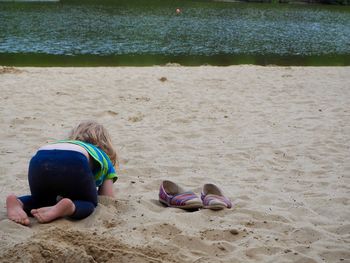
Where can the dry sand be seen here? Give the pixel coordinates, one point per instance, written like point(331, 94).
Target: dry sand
point(275, 139)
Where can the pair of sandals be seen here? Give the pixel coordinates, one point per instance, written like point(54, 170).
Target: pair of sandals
point(172, 195)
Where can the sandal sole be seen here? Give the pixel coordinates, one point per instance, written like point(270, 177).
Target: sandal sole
point(191, 206)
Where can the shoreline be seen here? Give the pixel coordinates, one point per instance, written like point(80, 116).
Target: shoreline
point(148, 60)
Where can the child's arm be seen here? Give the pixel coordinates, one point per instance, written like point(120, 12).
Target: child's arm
point(106, 188)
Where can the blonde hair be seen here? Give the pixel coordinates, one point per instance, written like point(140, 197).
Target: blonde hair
point(96, 134)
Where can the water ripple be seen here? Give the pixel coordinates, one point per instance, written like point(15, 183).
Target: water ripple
point(206, 28)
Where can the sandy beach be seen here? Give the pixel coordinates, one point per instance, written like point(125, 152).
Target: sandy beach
point(275, 139)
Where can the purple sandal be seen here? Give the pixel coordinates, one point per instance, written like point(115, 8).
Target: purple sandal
point(213, 198)
point(173, 195)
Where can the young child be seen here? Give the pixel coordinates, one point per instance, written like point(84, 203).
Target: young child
point(63, 177)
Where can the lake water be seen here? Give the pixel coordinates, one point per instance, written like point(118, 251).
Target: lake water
point(148, 32)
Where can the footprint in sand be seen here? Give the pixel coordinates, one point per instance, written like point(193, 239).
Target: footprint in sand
point(137, 118)
point(10, 70)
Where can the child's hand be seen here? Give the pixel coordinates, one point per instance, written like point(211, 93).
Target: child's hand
point(106, 188)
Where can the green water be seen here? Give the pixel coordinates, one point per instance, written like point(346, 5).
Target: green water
point(114, 32)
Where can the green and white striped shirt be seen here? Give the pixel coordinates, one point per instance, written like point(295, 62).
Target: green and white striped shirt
point(105, 170)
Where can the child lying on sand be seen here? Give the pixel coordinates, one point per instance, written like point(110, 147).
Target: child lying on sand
point(63, 177)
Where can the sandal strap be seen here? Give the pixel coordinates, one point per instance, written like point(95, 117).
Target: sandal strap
point(207, 198)
point(181, 199)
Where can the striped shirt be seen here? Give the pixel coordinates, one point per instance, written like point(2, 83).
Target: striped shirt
point(105, 170)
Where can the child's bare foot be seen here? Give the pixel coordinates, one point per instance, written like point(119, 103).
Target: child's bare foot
point(65, 207)
point(15, 210)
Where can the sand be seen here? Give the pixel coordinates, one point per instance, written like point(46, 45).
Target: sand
point(275, 139)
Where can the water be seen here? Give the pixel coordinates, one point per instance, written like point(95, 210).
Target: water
point(119, 32)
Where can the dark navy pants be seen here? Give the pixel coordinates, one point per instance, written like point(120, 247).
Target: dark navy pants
point(61, 173)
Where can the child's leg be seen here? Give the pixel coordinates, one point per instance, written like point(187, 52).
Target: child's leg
point(63, 173)
point(82, 209)
point(18, 208)
point(15, 210)
point(81, 186)
point(29, 203)
point(72, 179)
point(83, 195)
point(65, 207)
point(40, 183)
